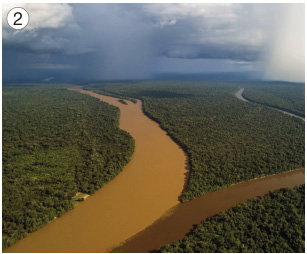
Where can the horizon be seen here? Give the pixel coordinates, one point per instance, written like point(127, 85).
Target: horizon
point(143, 41)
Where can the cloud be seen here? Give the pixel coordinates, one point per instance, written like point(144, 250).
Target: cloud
point(181, 65)
point(209, 31)
point(169, 14)
point(175, 30)
point(51, 66)
point(284, 55)
point(47, 79)
point(51, 28)
point(123, 41)
point(213, 51)
point(42, 15)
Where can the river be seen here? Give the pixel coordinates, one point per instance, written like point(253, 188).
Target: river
point(182, 218)
point(140, 207)
point(149, 185)
point(239, 95)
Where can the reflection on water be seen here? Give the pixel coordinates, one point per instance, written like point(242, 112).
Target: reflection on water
point(182, 218)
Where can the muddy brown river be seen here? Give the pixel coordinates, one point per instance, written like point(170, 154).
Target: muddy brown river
point(149, 185)
point(140, 207)
point(182, 218)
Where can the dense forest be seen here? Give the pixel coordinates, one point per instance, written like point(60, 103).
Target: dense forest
point(55, 143)
point(123, 102)
point(281, 95)
point(274, 223)
point(227, 140)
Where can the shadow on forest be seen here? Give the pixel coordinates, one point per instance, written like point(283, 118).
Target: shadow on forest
point(164, 94)
point(186, 177)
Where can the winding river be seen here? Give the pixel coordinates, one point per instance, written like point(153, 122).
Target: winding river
point(239, 95)
point(139, 210)
point(149, 185)
point(182, 218)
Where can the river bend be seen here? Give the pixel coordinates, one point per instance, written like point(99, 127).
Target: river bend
point(148, 186)
point(139, 210)
point(239, 95)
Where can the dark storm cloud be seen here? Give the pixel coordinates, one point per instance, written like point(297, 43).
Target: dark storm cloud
point(212, 51)
point(209, 31)
point(122, 41)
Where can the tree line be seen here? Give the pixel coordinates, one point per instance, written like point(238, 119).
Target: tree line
point(227, 140)
point(55, 143)
point(286, 96)
point(274, 223)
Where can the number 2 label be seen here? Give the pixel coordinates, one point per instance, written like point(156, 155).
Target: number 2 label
point(18, 18)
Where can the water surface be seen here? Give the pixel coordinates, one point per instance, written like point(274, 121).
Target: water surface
point(182, 218)
point(239, 95)
point(149, 185)
point(140, 207)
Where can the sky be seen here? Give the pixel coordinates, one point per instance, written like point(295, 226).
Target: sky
point(89, 42)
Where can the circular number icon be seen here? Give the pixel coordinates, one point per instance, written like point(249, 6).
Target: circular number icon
point(18, 18)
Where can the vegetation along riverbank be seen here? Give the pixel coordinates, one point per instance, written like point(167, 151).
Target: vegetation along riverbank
point(227, 140)
point(55, 143)
point(273, 223)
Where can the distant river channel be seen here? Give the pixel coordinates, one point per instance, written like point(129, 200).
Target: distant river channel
point(140, 210)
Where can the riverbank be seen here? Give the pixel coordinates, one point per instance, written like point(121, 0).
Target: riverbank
point(149, 185)
point(181, 219)
point(134, 200)
point(239, 95)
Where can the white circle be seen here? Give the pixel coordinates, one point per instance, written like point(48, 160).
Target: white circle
point(17, 18)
